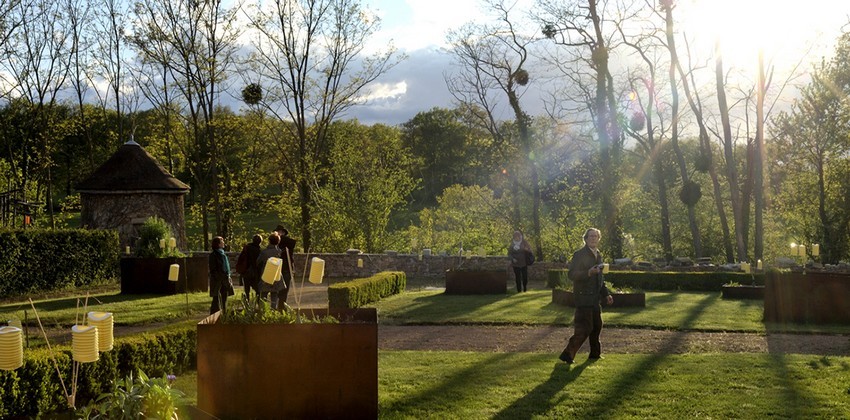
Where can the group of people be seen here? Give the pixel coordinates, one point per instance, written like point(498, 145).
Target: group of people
point(586, 273)
point(280, 245)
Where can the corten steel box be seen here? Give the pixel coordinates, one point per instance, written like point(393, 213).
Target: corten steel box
point(813, 297)
point(150, 275)
point(290, 370)
point(476, 282)
point(621, 300)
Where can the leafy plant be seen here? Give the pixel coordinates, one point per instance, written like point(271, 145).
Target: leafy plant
point(153, 231)
point(133, 398)
point(255, 310)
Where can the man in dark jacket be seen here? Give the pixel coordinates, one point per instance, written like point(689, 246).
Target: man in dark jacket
point(589, 289)
point(251, 276)
point(287, 250)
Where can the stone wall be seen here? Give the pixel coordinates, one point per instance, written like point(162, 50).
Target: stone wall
point(345, 265)
point(125, 212)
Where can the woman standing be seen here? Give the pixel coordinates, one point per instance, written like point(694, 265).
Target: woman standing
point(518, 251)
point(220, 285)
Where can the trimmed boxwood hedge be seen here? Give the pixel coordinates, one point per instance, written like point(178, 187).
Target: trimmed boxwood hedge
point(35, 387)
point(359, 292)
point(666, 280)
point(37, 260)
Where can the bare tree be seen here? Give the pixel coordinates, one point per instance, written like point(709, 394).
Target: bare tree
point(196, 43)
point(310, 58)
point(491, 62)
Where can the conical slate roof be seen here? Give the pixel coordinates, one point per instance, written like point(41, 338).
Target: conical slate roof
point(131, 168)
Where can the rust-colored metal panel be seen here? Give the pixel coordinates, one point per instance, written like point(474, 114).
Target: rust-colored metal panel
point(815, 297)
point(476, 282)
point(290, 370)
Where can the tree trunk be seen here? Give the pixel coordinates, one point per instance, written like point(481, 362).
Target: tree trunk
point(758, 164)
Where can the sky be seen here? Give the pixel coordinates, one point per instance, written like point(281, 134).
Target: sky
point(786, 30)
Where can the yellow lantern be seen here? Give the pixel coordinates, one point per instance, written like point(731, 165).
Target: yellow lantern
point(174, 272)
point(84, 343)
point(172, 243)
point(104, 323)
point(317, 270)
point(162, 243)
point(11, 348)
point(360, 263)
point(271, 273)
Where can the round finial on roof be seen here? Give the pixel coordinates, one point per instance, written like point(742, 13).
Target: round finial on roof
point(132, 142)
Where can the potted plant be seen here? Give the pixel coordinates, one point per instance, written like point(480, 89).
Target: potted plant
point(148, 270)
point(462, 281)
point(255, 362)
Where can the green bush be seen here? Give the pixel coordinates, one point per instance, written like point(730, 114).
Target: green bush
point(359, 292)
point(663, 281)
point(151, 233)
point(140, 396)
point(35, 388)
point(37, 260)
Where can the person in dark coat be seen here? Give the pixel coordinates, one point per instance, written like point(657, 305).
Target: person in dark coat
point(251, 277)
point(518, 251)
point(589, 289)
point(287, 251)
point(219, 268)
point(270, 292)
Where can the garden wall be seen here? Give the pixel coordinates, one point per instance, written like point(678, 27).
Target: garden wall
point(345, 265)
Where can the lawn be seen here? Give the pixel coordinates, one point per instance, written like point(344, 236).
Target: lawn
point(700, 311)
point(467, 385)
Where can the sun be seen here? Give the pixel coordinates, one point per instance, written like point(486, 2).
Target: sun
point(782, 29)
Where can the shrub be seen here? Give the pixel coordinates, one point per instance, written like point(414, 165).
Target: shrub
point(135, 397)
point(359, 292)
point(151, 233)
point(650, 280)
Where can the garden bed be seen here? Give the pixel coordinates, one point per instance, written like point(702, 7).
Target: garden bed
point(476, 282)
point(621, 300)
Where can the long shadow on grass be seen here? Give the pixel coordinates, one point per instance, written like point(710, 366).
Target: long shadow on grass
point(442, 308)
point(608, 402)
point(455, 388)
point(529, 405)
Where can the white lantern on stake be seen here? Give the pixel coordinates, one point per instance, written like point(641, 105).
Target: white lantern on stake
point(174, 272)
point(84, 343)
point(105, 325)
point(317, 270)
point(271, 273)
point(11, 348)
point(360, 263)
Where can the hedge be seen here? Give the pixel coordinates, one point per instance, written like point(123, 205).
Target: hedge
point(359, 292)
point(37, 260)
point(35, 387)
point(666, 280)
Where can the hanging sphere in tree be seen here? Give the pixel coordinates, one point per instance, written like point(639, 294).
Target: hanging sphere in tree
point(521, 77)
point(252, 94)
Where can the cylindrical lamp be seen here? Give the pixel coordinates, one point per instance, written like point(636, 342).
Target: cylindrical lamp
point(84, 343)
point(360, 263)
point(105, 322)
point(271, 273)
point(172, 243)
point(815, 250)
point(11, 348)
point(174, 272)
point(317, 270)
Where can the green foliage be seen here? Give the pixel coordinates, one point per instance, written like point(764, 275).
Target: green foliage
point(35, 387)
point(661, 280)
point(254, 310)
point(135, 397)
point(151, 233)
point(36, 260)
point(360, 292)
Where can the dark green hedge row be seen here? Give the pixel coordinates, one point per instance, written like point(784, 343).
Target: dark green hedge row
point(37, 260)
point(359, 292)
point(646, 280)
point(35, 387)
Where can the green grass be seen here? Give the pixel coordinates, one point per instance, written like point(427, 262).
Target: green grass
point(467, 385)
point(126, 309)
point(702, 311)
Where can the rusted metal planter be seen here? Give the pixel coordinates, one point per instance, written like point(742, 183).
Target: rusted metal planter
point(290, 370)
point(621, 300)
point(150, 275)
point(811, 297)
point(742, 292)
point(476, 282)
